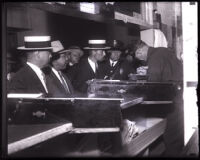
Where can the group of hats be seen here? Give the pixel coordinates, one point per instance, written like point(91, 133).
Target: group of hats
point(44, 43)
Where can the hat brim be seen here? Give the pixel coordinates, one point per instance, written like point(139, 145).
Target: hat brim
point(64, 51)
point(116, 49)
point(105, 48)
point(28, 49)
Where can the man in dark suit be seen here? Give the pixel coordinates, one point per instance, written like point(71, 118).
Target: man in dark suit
point(30, 78)
point(163, 65)
point(115, 67)
point(58, 83)
point(88, 67)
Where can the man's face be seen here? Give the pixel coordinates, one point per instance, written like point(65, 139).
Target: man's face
point(75, 55)
point(61, 62)
point(99, 55)
point(141, 53)
point(44, 57)
point(115, 55)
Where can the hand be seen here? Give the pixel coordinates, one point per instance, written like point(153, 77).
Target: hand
point(142, 70)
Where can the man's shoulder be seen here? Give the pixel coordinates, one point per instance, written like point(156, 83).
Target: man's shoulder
point(23, 73)
point(83, 63)
point(162, 50)
point(25, 69)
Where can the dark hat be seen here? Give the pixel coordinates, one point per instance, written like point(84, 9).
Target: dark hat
point(116, 45)
point(97, 44)
point(36, 43)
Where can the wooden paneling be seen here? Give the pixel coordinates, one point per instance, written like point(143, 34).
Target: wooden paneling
point(18, 17)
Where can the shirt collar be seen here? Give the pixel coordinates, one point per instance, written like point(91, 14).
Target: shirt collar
point(111, 61)
point(92, 64)
point(35, 68)
point(54, 70)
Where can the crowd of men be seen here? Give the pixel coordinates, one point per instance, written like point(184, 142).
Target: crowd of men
point(58, 72)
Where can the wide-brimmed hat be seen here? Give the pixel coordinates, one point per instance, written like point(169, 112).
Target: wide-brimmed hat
point(116, 45)
point(97, 44)
point(58, 47)
point(36, 43)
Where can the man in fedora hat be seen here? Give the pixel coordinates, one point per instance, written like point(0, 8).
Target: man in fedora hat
point(30, 78)
point(59, 84)
point(115, 67)
point(88, 67)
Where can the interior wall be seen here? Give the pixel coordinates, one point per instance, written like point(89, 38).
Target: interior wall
point(69, 30)
point(190, 67)
point(75, 31)
point(39, 25)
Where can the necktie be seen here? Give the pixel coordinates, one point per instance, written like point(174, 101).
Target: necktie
point(44, 78)
point(112, 65)
point(64, 82)
point(96, 68)
point(45, 82)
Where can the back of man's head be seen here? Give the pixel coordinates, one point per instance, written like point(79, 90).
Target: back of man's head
point(138, 44)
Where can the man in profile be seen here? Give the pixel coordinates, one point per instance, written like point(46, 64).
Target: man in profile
point(59, 85)
point(30, 78)
point(88, 67)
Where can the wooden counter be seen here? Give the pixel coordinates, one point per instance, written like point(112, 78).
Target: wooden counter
point(23, 136)
point(154, 128)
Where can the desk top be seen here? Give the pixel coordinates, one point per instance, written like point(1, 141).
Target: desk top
point(24, 136)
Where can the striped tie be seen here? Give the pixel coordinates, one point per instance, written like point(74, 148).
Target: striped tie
point(64, 82)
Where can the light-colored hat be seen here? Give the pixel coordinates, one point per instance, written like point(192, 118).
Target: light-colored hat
point(58, 47)
point(97, 44)
point(36, 43)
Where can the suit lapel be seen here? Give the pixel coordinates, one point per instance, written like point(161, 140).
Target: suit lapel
point(68, 83)
point(57, 82)
point(90, 69)
point(34, 78)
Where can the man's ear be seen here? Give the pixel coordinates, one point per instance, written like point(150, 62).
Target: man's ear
point(37, 54)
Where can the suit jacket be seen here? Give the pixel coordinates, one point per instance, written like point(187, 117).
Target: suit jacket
point(84, 73)
point(55, 87)
point(71, 71)
point(120, 71)
point(25, 81)
point(163, 65)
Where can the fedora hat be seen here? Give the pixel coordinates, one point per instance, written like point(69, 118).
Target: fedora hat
point(116, 45)
point(97, 44)
point(36, 43)
point(58, 47)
